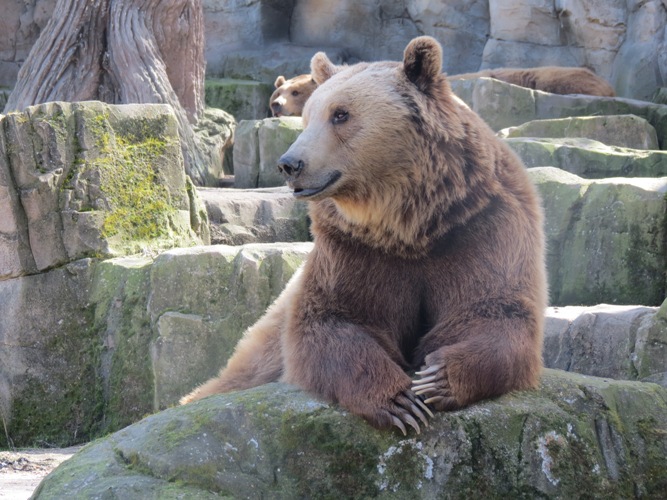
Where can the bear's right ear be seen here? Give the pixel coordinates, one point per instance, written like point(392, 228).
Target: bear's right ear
point(321, 68)
point(279, 81)
point(422, 61)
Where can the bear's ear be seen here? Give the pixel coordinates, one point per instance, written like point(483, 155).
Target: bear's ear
point(321, 68)
point(422, 61)
point(279, 81)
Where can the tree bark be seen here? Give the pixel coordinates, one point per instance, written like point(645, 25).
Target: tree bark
point(120, 52)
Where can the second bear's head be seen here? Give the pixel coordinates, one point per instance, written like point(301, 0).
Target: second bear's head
point(372, 129)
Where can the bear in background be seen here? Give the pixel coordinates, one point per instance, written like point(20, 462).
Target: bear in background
point(553, 79)
point(291, 95)
point(428, 252)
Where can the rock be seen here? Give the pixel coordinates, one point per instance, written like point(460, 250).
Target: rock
point(589, 158)
point(505, 105)
point(239, 216)
point(244, 99)
point(265, 63)
point(605, 238)
point(261, 40)
point(91, 180)
point(4, 95)
point(89, 348)
point(221, 291)
point(620, 342)
point(626, 131)
point(215, 131)
point(275, 441)
point(50, 387)
point(461, 26)
point(257, 148)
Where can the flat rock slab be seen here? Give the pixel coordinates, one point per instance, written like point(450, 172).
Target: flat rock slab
point(626, 131)
point(505, 105)
point(589, 158)
point(275, 441)
point(264, 215)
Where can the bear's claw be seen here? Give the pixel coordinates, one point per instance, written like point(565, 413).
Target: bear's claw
point(434, 387)
point(405, 408)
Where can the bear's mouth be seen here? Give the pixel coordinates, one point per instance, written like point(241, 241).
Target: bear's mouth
point(300, 192)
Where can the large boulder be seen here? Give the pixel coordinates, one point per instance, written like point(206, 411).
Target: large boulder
point(264, 215)
point(626, 131)
point(589, 158)
point(605, 238)
point(92, 180)
point(276, 442)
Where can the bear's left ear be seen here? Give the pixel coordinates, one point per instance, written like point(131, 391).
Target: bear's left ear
point(422, 61)
point(279, 81)
point(321, 68)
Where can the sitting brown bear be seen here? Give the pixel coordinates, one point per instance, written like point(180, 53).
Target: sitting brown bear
point(290, 95)
point(428, 252)
point(553, 79)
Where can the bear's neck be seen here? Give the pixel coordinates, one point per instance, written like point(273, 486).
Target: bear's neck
point(407, 228)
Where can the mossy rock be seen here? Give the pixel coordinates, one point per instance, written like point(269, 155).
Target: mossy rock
point(605, 238)
point(93, 180)
point(625, 131)
point(276, 441)
point(589, 158)
point(244, 99)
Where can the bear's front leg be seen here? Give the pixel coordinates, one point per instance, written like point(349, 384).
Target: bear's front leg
point(491, 358)
point(345, 364)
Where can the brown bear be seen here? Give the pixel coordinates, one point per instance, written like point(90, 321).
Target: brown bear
point(553, 79)
point(428, 252)
point(290, 95)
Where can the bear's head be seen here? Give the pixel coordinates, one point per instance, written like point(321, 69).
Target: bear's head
point(379, 139)
point(290, 95)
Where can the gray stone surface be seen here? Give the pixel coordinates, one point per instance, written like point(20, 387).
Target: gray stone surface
point(239, 216)
point(244, 99)
point(258, 146)
point(589, 158)
point(605, 238)
point(505, 105)
point(626, 131)
point(97, 346)
point(620, 342)
point(621, 41)
point(215, 131)
point(222, 290)
point(275, 441)
point(91, 180)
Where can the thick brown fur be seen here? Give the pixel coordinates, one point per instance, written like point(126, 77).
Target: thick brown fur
point(428, 252)
point(553, 79)
point(291, 95)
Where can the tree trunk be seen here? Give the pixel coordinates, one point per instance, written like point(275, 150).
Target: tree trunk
point(119, 52)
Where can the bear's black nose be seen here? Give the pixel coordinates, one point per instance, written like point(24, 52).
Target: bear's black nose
point(290, 167)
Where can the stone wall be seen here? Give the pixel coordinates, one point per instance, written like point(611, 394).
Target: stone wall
point(623, 41)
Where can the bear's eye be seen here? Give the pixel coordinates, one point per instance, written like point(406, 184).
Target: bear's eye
point(295, 93)
point(340, 116)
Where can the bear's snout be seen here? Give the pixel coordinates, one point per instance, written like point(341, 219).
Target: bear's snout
point(290, 167)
